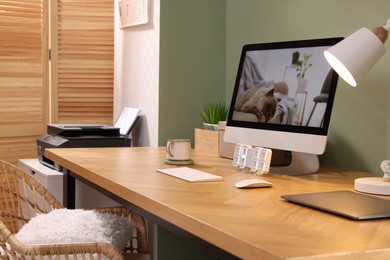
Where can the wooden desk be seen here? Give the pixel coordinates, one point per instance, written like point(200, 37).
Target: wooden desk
point(250, 224)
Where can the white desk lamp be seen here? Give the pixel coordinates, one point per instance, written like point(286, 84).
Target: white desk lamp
point(352, 58)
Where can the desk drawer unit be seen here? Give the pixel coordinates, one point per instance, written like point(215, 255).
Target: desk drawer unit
point(86, 197)
point(49, 178)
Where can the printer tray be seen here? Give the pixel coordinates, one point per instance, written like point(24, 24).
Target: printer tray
point(73, 130)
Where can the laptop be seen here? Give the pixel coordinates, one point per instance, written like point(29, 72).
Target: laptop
point(345, 203)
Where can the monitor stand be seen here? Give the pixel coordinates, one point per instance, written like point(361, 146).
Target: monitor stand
point(300, 163)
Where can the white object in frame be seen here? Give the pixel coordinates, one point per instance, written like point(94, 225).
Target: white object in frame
point(237, 154)
point(127, 119)
point(133, 12)
point(261, 160)
point(245, 156)
point(242, 155)
point(190, 174)
point(257, 159)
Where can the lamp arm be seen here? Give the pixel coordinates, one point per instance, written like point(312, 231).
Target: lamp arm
point(382, 32)
point(385, 166)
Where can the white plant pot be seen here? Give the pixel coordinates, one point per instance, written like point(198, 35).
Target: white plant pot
point(302, 85)
point(213, 127)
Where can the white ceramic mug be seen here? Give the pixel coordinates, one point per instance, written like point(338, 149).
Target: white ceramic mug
point(178, 149)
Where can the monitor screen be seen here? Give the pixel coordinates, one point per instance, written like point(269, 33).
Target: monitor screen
point(283, 96)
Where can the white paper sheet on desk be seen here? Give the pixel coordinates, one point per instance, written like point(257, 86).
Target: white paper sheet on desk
point(190, 175)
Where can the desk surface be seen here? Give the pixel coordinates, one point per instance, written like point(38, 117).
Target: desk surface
point(248, 223)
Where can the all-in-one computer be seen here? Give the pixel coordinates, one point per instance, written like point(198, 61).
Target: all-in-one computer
point(282, 99)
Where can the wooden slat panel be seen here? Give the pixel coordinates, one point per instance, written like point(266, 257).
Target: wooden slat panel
point(14, 148)
point(84, 61)
point(23, 77)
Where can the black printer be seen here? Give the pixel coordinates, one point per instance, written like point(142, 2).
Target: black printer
point(78, 136)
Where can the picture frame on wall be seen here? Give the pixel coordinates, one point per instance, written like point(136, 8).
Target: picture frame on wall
point(133, 12)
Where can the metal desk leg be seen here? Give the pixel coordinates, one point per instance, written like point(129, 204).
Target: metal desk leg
point(69, 190)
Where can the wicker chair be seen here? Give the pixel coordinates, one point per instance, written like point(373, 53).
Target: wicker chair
point(22, 197)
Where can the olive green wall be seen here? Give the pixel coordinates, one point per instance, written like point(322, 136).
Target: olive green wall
point(192, 63)
point(359, 130)
point(192, 73)
point(200, 44)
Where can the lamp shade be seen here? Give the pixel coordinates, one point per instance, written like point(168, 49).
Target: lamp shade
point(354, 56)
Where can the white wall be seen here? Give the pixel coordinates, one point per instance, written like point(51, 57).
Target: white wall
point(136, 79)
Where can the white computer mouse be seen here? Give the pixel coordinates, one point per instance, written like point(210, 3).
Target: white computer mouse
point(253, 183)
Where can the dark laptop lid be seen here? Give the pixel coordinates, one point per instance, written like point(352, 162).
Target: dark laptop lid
point(344, 203)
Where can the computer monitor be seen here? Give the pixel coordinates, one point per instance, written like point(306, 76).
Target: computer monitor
point(282, 99)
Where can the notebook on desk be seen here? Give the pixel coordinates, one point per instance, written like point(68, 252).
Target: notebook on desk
point(190, 175)
point(344, 203)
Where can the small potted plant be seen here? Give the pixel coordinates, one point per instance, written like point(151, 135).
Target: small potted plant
point(213, 113)
point(302, 67)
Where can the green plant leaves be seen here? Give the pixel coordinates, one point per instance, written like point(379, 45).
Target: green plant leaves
point(213, 113)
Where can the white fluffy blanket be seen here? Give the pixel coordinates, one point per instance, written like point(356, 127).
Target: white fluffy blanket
point(75, 226)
